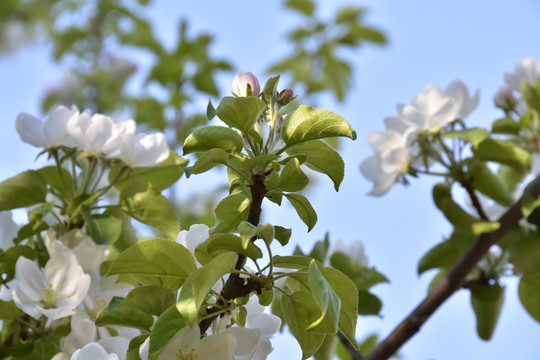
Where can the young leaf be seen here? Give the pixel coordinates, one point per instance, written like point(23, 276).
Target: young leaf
point(153, 300)
point(303, 209)
point(230, 212)
point(199, 283)
point(442, 255)
point(487, 302)
point(240, 112)
point(228, 242)
point(471, 135)
point(161, 176)
point(103, 228)
point(307, 123)
point(282, 235)
point(524, 255)
point(368, 304)
point(208, 160)
point(22, 190)
point(167, 327)
point(155, 257)
point(488, 184)
point(300, 310)
point(146, 204)
point(326, 299)
point(322, 158)
point(529, 294)
point(292, 178)
point(211, 137)
point(125, 316)
point(503, 152)
point(210, 110)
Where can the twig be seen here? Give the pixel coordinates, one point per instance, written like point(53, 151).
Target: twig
point(453, 281)
point(475, 201)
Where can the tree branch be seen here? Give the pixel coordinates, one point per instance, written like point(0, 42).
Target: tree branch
point(235, 286)
point(453, 281)
point(355, 355)
point(475, 201)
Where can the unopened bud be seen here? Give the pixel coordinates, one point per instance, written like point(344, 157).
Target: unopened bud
point(285, 97)
point(505, 99)
point(245, 84)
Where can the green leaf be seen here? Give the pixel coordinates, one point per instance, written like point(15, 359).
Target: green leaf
point(269, 96)
point(240, 112)
point(282, 235)
point(489, 184)
point(211, 137)
point(230, 212)
point(510, 177)
point(470, 135)
point(348, 294)
point(368, 34)
point(167, 327)
point(529, 294)
point(442, 255)
point(208, 160)
point(199, 283)
point(368, 304)
point(8, 310)
point(146, 204)
point(322, 158)
point(503, 152)
point(300, 310)
point(163, 175)
point(307, 123)
point(506, 125)
point(153, 300)
point(228, 242)
point(103, 228)
point(328, 302)
point(210, 110)
point(524, 255)
point(487, 302)
point(291, 262)
point(303, 209)
point(124, 316)
point(159, 257)
point(292, 178)
point(363, 277)
point(22, 190)
point(306, 7)
point(52, 177)
point(531, 95)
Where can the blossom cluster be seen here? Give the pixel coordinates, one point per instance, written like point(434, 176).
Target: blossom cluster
point(397, 147)
point(94, 135)
point(508, 97)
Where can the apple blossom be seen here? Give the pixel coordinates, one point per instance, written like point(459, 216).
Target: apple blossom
point(54, 292)
point(246, 84)
point(197, 234)
point(142, 150)
point(93, 133)
point(525, 70)
point(93, 351)
point(189, 345)
point(465, 104)
point(505, 99)
point(391, 159)
point(8, 229)
point(50, 133)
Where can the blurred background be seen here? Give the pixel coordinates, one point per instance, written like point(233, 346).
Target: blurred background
point(159, 62)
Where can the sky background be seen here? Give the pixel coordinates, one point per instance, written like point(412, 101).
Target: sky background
point(430, 42)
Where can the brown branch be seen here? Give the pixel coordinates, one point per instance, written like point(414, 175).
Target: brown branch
point(453, 281)
point(475, 201)
point(235, 286)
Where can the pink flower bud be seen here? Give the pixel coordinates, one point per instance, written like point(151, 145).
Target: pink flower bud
point(505, 98)
point(285, 97)
point(246, 84)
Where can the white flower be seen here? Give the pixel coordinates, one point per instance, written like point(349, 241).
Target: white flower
point(54, 292)
point(505, 99)
point(197, 234)
point(353, 249)
point(246, 84)
point(465, 104)
point(525, 70)
point(88, 253)
point(8, 229)
point(93, 351)
point(266, 324)
point(189, 345)
point(50, 133)
point(93, 133)
point(391, 159)
point(144, 150)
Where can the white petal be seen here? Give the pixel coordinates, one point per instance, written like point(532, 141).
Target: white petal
point(55, 126)
point(30, 130)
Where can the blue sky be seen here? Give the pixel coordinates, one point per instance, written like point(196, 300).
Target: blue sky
point(430, 42)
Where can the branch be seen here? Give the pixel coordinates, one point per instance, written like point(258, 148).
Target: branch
point(453, 281)
point(235, 286)
point(475, 201)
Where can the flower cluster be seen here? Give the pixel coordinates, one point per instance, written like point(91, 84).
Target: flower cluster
point(94, 135)
point(509, 97)
point(397, 147)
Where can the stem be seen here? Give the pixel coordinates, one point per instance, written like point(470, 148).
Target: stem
point(475, 201)
point(355, 355)
point(453, 281)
